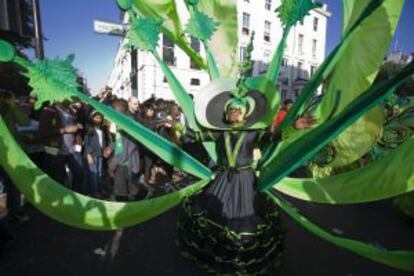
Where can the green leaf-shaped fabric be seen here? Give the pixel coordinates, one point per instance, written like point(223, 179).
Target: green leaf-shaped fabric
point(166, 12)
point(7, 51)
point(201, 26)
point(352, 10)
point(224, 43)
point(53, 80)
point(354, 73)
point(292, 11)
point(143, 34)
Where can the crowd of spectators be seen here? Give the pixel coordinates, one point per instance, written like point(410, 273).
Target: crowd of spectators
point(76, 146)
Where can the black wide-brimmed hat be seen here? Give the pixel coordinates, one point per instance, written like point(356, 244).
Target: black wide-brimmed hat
point(214, 99)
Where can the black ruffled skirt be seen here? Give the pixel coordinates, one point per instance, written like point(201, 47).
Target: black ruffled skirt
point(229, 228)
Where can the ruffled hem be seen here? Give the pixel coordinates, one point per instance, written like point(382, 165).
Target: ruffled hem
point(224, 251)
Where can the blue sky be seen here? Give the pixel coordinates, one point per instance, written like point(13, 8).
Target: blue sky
point(68, 27)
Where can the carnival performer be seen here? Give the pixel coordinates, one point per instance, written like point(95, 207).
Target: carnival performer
point(230, 227)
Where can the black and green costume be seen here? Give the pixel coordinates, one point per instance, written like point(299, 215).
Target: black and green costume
point(231, 202)
point(229, 227)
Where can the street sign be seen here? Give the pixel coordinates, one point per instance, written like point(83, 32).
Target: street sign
point(109, 28)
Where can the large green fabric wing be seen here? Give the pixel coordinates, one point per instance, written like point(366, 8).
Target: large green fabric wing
point(354, 73)
point(324, 71)
point(224, 42)
point(166, 11)
point(351, 12)
point(389, 177)
point(295, 154)
point(403, 260)
point(72, 208)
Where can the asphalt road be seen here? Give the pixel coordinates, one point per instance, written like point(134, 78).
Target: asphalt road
point(45, 247)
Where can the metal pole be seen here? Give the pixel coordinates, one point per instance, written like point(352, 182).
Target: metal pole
point(134, 72)
point(37, 22)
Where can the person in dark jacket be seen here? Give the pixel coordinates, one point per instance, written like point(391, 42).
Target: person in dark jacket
point(97, 149)
point(149, 120)
point(125, 163)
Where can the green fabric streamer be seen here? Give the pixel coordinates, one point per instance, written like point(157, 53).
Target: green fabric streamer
point(165, 12)
point(185, 102)
point(294, 155)
point(72, 208)
point(360, 185)
point(224, 43)
point(354, 73)
point(166, 150)
point(403, 260)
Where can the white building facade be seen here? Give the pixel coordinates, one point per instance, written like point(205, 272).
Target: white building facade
point(305, 51)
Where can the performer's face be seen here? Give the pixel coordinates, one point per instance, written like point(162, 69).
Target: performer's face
point(234, 116)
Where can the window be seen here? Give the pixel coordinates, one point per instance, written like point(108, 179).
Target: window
point(195, 82)
point(243, 53)
point(300, 43)
point(195, 44)
point(302, 22)
point(247, 1)
point(267, 30)
point(164, 79)
point(313, 69)
point(266, 56)
point(284, 94)
point(266, 61)
point(268, 5)
point(168, 54)
point(297, 93)
point(314, 47)
point(315, 24)
point(284, 62)
point(299, 70)
point(246, 23)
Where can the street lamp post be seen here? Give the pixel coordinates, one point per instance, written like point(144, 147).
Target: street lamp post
point(39, 50)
